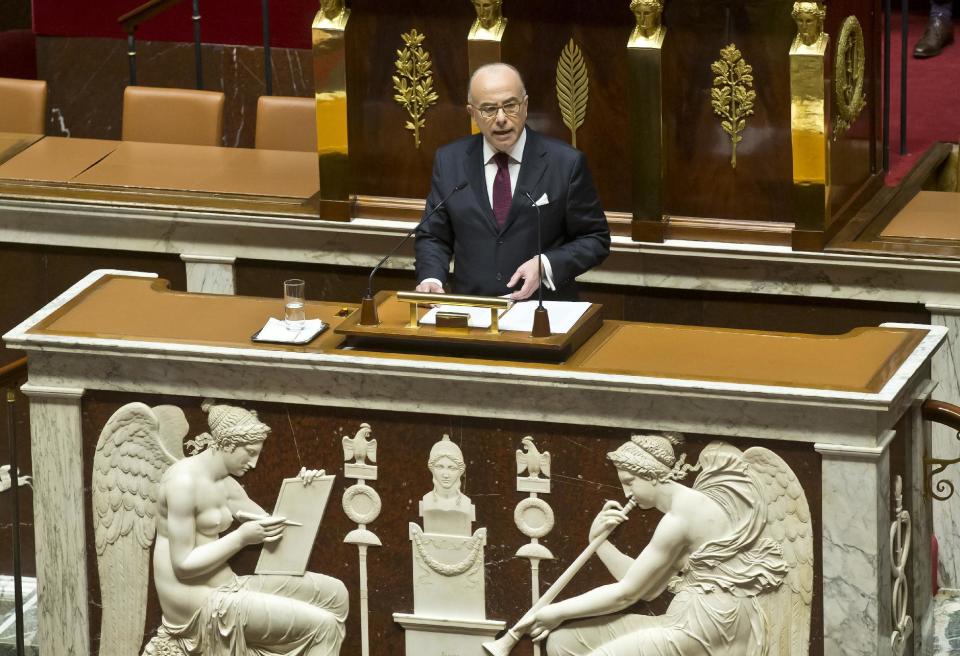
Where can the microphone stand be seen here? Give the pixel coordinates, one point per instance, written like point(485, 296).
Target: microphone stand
point(368, 308)
point(541, 318)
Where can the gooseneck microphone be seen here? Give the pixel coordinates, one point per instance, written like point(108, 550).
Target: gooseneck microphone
point(368, 310)
point(541, 318)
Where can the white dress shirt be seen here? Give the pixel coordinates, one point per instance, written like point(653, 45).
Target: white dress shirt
point(513, 167)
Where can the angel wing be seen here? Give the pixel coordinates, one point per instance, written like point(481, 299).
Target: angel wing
point(135, 448)
point(788, 523)
point(521, 461)
point(545, 463)
point(372, 450)
point(347, 448)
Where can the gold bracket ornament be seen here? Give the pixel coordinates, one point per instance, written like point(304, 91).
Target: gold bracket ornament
point(732, 95)
point(414, 82)
point(573, 88)
point(848, 75)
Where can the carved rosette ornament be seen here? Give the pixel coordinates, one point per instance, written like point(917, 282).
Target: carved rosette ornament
point(732, 95)
point(414, 82)
point(848, 75)
point(573, 88)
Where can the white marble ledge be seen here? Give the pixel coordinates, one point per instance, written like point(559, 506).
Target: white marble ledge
point(344, 361)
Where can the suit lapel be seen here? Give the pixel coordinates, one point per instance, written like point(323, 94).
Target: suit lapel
point(532, 168)
point(473, 169)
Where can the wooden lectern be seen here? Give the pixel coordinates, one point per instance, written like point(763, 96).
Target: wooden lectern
point(398, 329)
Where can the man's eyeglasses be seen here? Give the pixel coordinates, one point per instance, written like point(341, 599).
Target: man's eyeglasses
point(510, 108)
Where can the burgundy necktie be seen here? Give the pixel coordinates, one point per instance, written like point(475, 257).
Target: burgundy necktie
point(502, 194)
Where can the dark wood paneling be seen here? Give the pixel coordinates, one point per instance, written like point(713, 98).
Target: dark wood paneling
point(582, 481)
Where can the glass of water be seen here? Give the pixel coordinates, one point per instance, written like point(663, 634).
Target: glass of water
point(293, 300)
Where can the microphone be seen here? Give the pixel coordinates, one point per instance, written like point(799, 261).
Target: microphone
point(541, 318)
point(368, 310)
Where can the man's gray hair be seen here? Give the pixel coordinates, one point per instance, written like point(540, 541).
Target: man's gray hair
point(495, 65)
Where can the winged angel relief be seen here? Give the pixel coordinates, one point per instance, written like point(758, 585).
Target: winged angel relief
point(735, 549)
point(145, 492)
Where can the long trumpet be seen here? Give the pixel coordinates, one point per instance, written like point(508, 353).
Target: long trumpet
point(505, 644)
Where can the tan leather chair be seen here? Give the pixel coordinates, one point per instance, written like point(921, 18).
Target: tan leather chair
point(286, 123)
point(180, 116)
point(23, 105)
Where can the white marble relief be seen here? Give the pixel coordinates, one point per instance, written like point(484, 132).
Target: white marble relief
point(145, 493)
point(362, 505)
point(900, 536)
point(449, 590)
point(210, 274)
point(735, 549)
point(533, 515)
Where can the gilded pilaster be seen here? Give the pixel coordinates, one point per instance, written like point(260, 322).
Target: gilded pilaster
point(330, 88)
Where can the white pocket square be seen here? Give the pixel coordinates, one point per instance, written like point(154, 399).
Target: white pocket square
point(543, 200)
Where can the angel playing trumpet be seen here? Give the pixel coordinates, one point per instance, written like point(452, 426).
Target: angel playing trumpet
point(735, 550)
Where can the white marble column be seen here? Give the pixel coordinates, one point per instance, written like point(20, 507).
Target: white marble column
point(946, 514)
point(56, 443)
point(921, 518)
point(855, 502)
point(210, 274)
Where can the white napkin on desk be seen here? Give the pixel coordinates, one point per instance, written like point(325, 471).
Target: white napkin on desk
point(275, 330)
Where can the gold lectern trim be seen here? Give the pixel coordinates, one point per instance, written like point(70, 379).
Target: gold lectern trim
point(573, 88)
point(414, 82)
point(732, 95)
point(848, 75)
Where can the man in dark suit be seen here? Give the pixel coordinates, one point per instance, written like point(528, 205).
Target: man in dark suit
point(489, 227)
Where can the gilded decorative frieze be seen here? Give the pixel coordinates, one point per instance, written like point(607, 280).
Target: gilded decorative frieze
point(732, 95)
point(414, 82)
point(573, 88)
point(848, 75)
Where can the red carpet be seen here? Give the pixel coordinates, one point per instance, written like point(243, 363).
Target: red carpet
point(933, 99)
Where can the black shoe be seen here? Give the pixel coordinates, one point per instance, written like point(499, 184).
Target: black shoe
point(938, 34)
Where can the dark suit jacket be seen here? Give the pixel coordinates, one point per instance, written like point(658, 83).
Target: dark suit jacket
point(575, 232)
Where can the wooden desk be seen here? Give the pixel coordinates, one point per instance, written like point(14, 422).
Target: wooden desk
point(56, 159)
point(147, 174)
point(863, 360)
point(12, 143)
point(930, 215)
point(209, 169)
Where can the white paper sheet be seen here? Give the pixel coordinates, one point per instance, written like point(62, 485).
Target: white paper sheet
point(563, 315)
point(275, 330)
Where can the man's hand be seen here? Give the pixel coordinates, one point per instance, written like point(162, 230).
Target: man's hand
point(529, 272)
point(430, 287)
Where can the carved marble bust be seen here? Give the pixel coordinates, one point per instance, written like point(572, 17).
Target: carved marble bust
point(648, 14)
point(446, 509)
point(809, 17)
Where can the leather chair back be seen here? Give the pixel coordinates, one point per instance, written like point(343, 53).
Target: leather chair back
point(286, 123)
point(180, 116)
point(23, 105)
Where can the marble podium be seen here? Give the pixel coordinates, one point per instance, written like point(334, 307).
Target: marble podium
point(843, 411)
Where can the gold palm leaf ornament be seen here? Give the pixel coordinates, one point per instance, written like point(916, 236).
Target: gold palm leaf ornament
point(414, 82)
point(732, 96)
point(573, 88)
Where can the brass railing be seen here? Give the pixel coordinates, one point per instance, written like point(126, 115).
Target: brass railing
point(131, 20)
point(947, 414)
